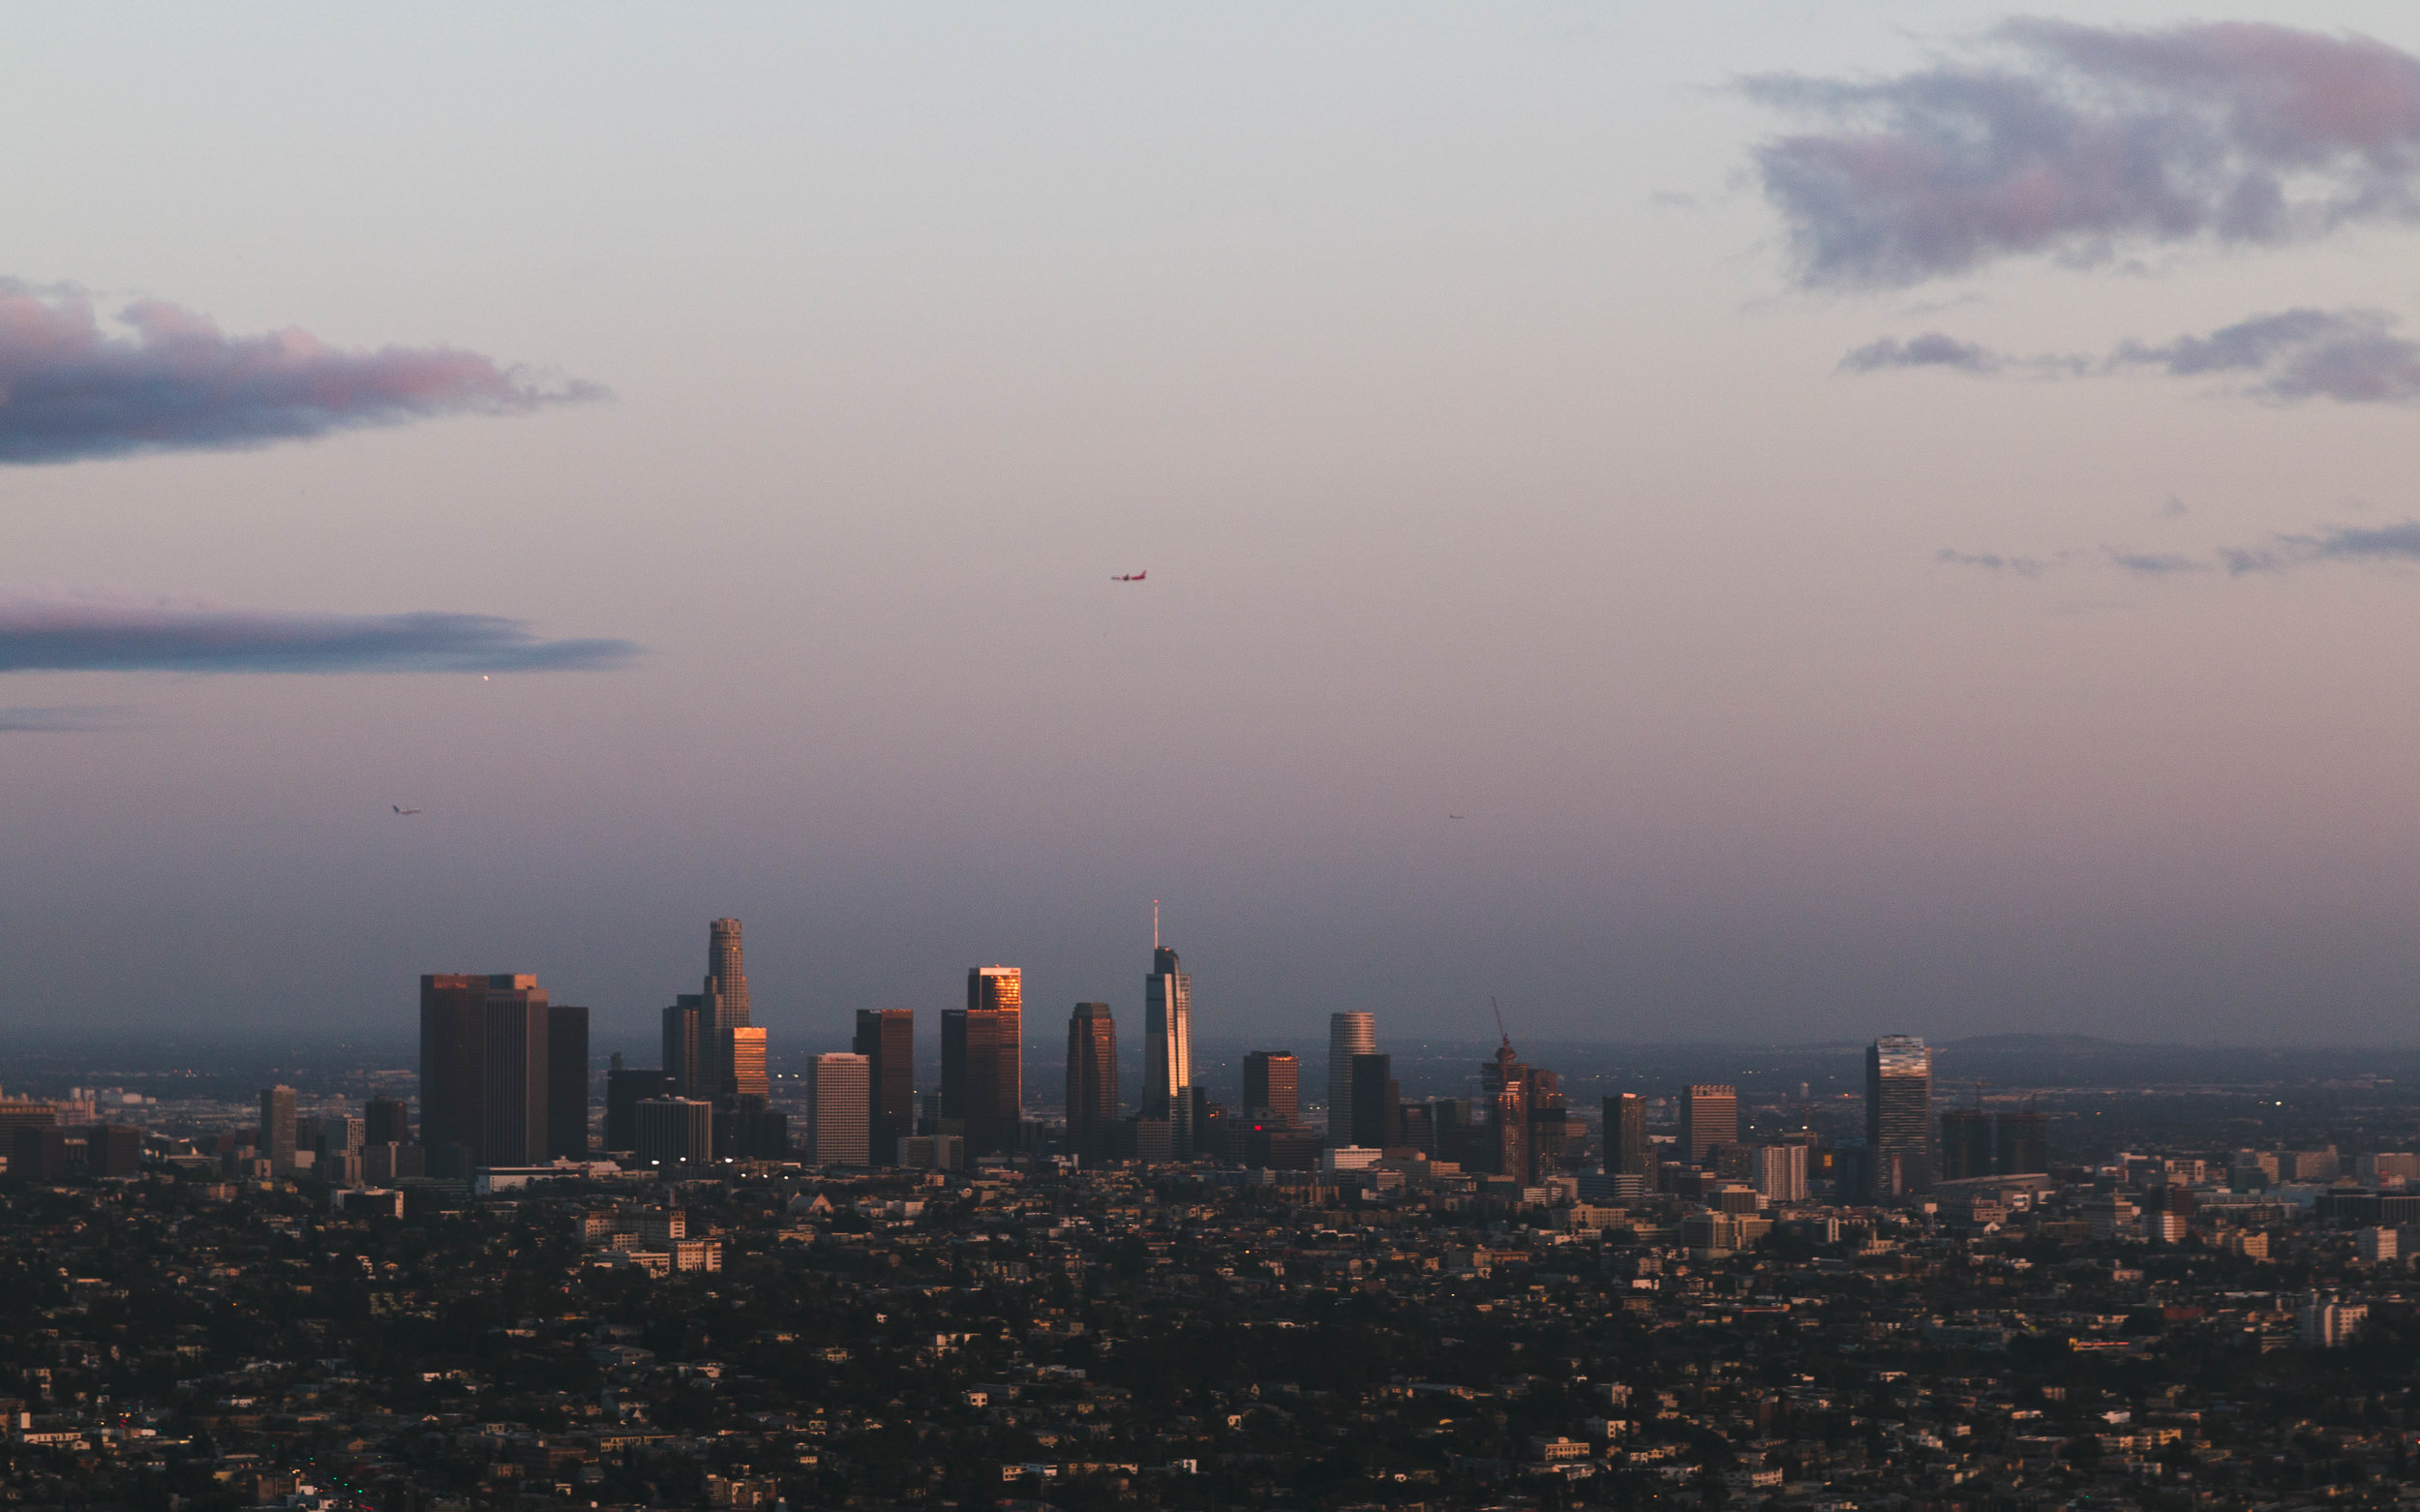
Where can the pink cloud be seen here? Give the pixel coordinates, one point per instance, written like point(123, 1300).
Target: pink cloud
point(71, 389)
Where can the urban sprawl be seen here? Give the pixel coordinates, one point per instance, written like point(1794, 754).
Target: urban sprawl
point(489, 1286)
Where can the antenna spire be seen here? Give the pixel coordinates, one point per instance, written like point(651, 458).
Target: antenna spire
point(1155, 924)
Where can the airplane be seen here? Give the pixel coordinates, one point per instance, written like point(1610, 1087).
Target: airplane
point(401, 809)
point(1131, 577)
point(1453, 816)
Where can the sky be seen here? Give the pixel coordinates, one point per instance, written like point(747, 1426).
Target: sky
point(1767, 522)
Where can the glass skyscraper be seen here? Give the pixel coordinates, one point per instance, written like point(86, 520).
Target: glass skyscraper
point(887, 1038)
point(1168, 1049)
point(1349, 1035)
point(1899, 1114)
point(1092, 1083)
point(992, 1058)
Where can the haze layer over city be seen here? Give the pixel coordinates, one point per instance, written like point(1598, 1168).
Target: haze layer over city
point(1781, 523)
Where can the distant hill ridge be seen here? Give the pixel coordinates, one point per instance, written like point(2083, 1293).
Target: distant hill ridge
point(2039, 1042)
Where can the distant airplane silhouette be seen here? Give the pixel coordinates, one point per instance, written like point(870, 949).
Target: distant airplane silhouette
point(1129, 577)
point(401, 809)
point(1453, 816)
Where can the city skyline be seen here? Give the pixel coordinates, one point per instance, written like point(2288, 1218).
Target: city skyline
point(1753, 651)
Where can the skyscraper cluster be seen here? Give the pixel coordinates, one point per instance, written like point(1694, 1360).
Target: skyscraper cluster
point(504, 1083)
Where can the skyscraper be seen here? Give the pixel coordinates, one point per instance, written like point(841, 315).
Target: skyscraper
point(1092, 1083)
point(675, 1130)
point(1965, 1143)
point(724, 1014)
point(994, 1058)
point(887, 1038)
point(1272, 1087)
point(386, 1121)
point(453, 1064)
point(685, 1045)
point(1349, 1035)
point(515, 1127)
point(1778, 1172)
point(952, 1070)
point(277, 1129)
point(567, 1081)
point(743, 1061)
point(837, 1089)
point(726, 974)
point(2022, 1147)
point(1627, 1152)
point(1373, 1100)
point(1899, 1114)
point(1506, 1148)
point(1550, 1124)
point(1168, 1048)
point(624, 1091)
point(1710, 1116)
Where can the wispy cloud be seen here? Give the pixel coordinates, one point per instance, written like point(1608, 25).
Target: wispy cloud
point(1994, 562)
point(101, 636)
point(2081, 142)
point(23, 718)
point(1932, 350)
point(2282, 552)
point(2352, 357)
point(2154, 565)
point(169, 380)
point(2398, 542)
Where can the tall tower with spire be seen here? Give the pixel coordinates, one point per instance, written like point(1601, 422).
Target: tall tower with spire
point(1168, 1047)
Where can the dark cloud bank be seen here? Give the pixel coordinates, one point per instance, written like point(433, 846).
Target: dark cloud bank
point(102, 637)
point(2080, 142)
point(71, 390)
point(2352, 357)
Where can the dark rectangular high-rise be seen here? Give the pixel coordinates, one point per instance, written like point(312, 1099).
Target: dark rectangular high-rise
point(954, 1068)
point(686, 1041)
point(114, 1150)
point(2023, 1145)
point(277, 1127)
point(1965, 1143)
point(1899, 1114)
point(567, 1082)
point(516, 1073)
point(386, 1121)
point(38, 1152)
point(995, 1058)
point(676, 1132)
point(453, 1062)
point(887, 1038)
point(1710, 1116)
point(1372, 1083)
point(1092, 1083)
point(624, 1091)
point(1627, 1152)
point(1272, 1087)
